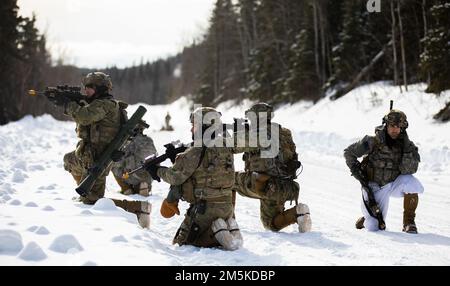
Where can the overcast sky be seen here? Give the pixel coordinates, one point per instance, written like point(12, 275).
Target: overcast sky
point(100, 33)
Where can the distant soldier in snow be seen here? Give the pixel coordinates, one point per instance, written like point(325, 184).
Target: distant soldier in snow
point(271, 180)
point(203, 176)
point(168, 127)
point(98, 120)
point(135, 152)
point(389, 162)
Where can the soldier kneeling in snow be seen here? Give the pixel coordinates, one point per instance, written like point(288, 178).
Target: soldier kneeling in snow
point(389, 162)
point(271, 180)
point(135, 152)
point(204, 177)
point(98, 120)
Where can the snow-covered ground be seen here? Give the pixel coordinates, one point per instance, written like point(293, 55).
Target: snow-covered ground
point(41, 225)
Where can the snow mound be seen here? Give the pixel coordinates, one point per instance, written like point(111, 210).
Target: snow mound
point(20, 165)
point(18, 177)
point(119, 238)
point(32, 252)
point(36, 168)
point(6, 198)
point(42, 230)
point(31, 204)
point(104, 205)
point(64, 243)
point(15, 202)
point(86, 212)
point(48, 208)
point(10, 242)
point(49, 187)
point(32, 228)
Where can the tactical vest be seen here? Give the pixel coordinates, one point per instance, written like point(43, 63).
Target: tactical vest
point(284, 164)
point(213, 179)
point(98, 135)
point(382, 165)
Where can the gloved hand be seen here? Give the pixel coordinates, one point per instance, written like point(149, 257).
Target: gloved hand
point(117, 155)
point(357, 172)
point(170, 152)
point(168, 210)
point(152, 170)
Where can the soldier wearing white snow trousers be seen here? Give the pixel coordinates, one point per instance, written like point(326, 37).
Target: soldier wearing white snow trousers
point(390, 161)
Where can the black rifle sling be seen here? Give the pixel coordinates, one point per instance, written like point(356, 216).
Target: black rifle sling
point(194, 229)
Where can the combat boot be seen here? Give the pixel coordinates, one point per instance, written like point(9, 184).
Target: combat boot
point(223, 235)
point(125, 189)
point(144, 214)
point(284, 219)
point(141, 209)
point(410, 202)
point(360, 223)
point(144, 189)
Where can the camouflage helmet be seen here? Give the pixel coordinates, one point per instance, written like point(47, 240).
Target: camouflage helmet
point(260, 107)
point(201, 112)
point(98, 79)
point(396, 117)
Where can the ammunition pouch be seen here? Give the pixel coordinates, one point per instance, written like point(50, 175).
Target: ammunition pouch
point(194, 231)
point(187, 191)
point(197, 208)
point(85, 154)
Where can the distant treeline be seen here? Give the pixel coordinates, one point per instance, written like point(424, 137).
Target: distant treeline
point(276, 51)
point(284, 50)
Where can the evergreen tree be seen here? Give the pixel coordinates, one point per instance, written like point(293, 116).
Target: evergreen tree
point(436, 56)
point(349, 55)
point(302, 81)
point(9, 36)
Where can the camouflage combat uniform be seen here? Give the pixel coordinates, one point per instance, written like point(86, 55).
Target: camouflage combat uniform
point(97, 122)
point(280, 187)
point(388, 166)
point(205, 182)
point(135, 152)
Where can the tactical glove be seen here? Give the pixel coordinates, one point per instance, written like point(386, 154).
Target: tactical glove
point(170, 152)
point(357, 172)
point(168, 210)
point(153, 170)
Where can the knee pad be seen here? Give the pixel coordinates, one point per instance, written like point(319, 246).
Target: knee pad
point(303, 218)
point(233, 227)
point(223, 235)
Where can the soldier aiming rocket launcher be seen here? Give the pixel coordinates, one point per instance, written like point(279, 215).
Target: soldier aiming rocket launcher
point(128, 130)
point(60, 94)
point(172, 150)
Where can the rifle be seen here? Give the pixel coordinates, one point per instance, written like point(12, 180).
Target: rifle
point(127, 130)
point(172, 149)
point(371, 205)
point(60, 93)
